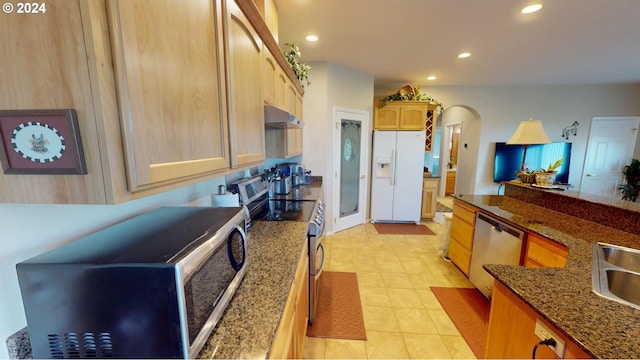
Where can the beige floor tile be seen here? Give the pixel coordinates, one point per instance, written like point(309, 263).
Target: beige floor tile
point(404, 298)
point(443, 323)
point(415, 321)
point(429, 300)
point(374, 297)
point(397, 280)
point(384, 345)
point(370, 279)
point(379, 318)
point(421, 346)
point(314, 348)
point(345, 349)
point(339, 265)
point(458, 348)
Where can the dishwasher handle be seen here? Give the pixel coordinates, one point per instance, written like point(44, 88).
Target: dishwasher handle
point(500, 227)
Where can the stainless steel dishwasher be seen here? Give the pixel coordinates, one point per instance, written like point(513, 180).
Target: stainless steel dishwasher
point(493, 243)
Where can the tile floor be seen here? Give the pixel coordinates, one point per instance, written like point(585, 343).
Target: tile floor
point(403, 319)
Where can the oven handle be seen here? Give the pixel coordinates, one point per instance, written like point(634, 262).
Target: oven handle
point(322, 266)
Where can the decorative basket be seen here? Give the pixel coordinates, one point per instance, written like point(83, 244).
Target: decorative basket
point(526, 178)
point(546, 179)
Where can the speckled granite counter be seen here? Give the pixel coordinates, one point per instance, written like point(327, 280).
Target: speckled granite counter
point(249, 323)
point(563, 296)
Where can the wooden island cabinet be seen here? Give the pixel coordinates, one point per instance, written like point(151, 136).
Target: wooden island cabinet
point(429, 198)
point(542, 252)
point(462, 229)
point(511, 332)
point(167, 93)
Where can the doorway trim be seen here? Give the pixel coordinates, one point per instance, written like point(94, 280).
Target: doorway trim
point(365, 157)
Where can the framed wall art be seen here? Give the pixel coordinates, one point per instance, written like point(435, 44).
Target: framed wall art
point(41, 142)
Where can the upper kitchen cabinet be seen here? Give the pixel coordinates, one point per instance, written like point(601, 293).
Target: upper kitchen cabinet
point(170, 87)
point(246, 106)
point(400, 115)
point(44, 66)
point(407, 115)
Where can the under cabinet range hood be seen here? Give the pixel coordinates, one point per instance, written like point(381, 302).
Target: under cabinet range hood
point(277, 118)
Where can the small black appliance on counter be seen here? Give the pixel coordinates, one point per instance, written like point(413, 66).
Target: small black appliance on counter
point(153, 286)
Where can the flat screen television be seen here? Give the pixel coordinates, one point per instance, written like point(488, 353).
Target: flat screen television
point(508, 159)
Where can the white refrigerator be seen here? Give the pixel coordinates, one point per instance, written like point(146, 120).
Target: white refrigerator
point(396, 179)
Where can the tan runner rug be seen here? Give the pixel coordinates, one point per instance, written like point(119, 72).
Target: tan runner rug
point(402, 229)
point(469, 311)
point(339, 313)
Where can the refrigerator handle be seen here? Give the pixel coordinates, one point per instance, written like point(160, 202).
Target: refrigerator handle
point(396, 167)
point(392, 174)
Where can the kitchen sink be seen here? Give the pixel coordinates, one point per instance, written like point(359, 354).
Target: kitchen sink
point(616, 273)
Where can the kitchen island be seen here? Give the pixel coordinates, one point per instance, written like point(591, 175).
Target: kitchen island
point(562, 296)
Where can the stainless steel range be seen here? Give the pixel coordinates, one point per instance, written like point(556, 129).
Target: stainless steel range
point(254, 194)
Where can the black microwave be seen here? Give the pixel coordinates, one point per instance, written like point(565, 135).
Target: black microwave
point(153, 286)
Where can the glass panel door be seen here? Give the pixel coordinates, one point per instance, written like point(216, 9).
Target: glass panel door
point(350, 134)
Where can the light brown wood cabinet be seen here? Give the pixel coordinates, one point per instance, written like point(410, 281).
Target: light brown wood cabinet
point(292, 329)
point(158, 107)
point(400, 115)
point(542, 252)
point(429, 198)
point(280, 92)
point(246, 109)
point(170, 91)
point(511, 333)
point(461, 238)
point(450, 185)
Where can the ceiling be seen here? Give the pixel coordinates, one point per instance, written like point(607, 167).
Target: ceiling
point(402, 42)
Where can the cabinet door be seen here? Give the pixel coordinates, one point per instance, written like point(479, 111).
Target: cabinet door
point(387, 117)
point(246, 106)
point(543, 252)
point(412, 117)
point(170, 89)
point(294, 142)
point(270, 72)
point(429, 190)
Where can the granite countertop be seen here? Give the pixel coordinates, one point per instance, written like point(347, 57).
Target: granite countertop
point(563, 296)
point(248, 326)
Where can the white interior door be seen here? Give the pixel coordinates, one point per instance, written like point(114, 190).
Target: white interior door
point(351, 136)
point(610, 147)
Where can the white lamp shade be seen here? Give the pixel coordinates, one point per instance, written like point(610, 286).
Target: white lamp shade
point(529, 132)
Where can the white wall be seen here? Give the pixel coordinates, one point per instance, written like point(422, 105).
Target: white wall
point(28, 230)
point(501, 108)
point(331, 85)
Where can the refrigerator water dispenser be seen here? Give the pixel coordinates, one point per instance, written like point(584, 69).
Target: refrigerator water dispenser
point(383, 168)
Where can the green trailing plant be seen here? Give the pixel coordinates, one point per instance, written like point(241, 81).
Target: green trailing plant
point(630, 189)
point(409, 93)
point(301, 69)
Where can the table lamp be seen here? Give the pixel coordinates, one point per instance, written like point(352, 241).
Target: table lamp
point(529, 132)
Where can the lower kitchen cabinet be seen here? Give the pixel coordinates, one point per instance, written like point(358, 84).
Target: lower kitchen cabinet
point(429, 191)
point(292, 329)
point(511, 332)
point(542, 252)
point(450, 185)
point(461, 238)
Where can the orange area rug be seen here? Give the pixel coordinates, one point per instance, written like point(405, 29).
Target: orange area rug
point(339, 313)
point(469, 311)
point(402, 229)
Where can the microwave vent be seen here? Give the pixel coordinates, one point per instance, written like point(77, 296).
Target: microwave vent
point(71, 346)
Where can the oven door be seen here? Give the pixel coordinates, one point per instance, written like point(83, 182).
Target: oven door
point(209, 288)
point(316, 266)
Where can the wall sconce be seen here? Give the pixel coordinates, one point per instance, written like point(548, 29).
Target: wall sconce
point(570, 130)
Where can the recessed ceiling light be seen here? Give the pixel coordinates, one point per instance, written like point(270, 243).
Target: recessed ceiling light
point(431, 77)
point(464, 55)
point(531, 8)
point(312, 38)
